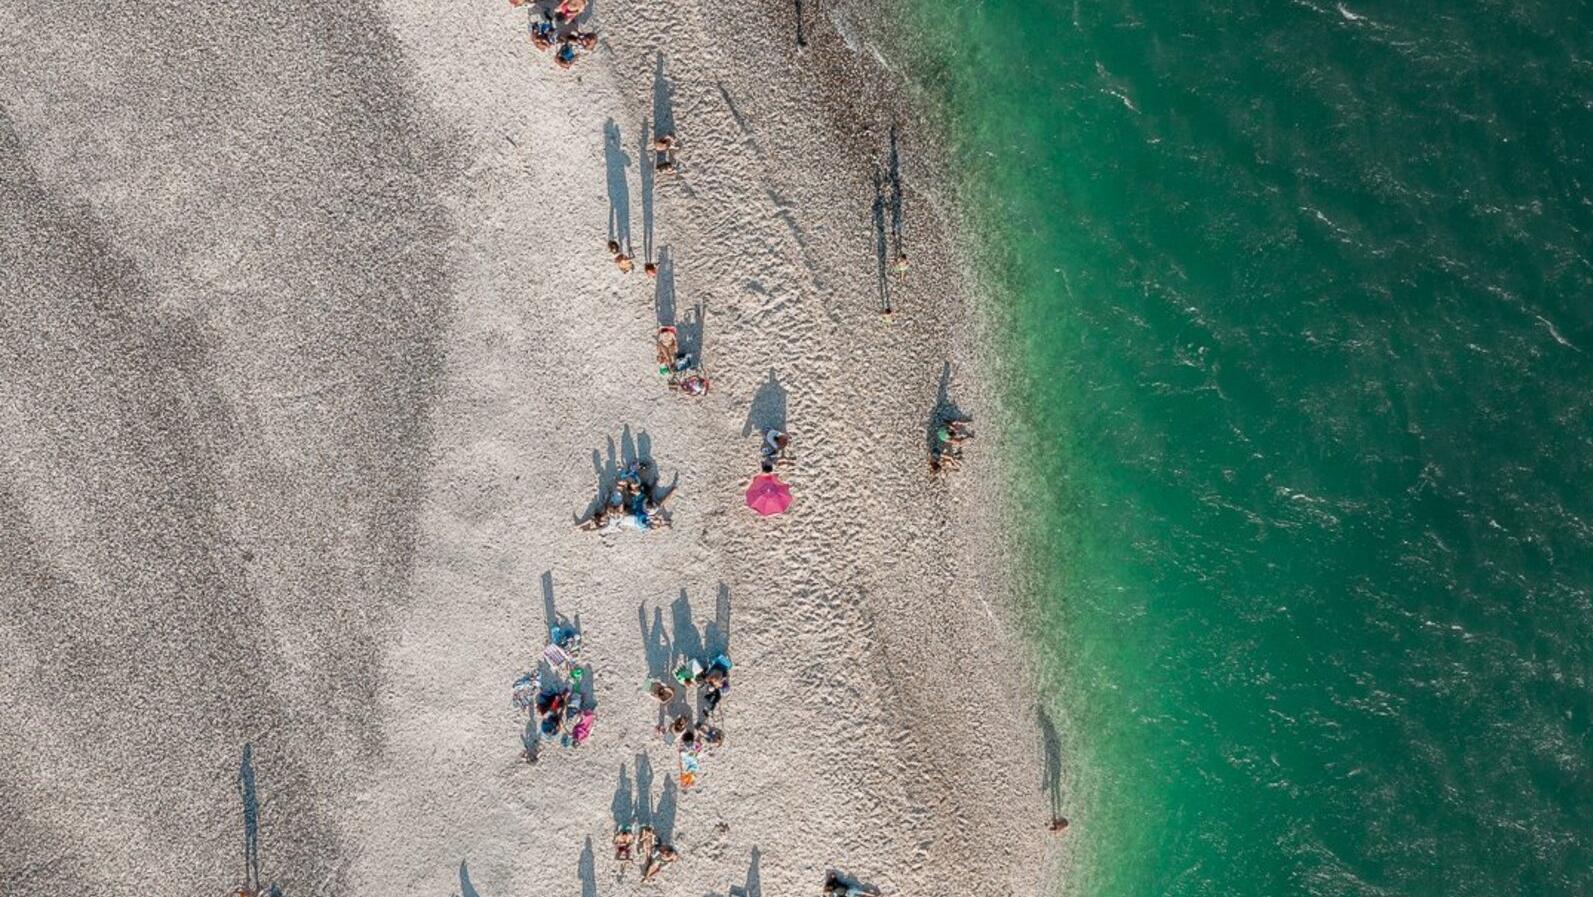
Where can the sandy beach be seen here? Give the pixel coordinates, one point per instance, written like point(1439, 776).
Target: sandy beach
point(312, 356)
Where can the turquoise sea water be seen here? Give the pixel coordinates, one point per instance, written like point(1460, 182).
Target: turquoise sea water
point(1303, 297)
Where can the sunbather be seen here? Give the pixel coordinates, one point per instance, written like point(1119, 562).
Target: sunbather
point(623, 840)
point(836, 886)
point(662, 857)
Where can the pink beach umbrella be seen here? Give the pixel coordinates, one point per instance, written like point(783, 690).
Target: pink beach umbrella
point(767, 495)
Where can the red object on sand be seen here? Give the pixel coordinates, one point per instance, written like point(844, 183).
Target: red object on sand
point(767, 495)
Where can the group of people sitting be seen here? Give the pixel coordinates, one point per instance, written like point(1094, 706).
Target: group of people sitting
point(950, 434)
point(693, 739)
point(633, 503)
point(556, 700)
point(555, 24)
point(683, 370)
point(642, 847)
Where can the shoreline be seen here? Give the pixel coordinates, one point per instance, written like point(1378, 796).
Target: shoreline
point(863, 624)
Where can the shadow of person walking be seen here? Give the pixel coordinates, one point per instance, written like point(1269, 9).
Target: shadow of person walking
point(619, 191)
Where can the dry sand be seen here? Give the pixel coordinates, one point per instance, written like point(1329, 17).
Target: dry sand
point(309, 346)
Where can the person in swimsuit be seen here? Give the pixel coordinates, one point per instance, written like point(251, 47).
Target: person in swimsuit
point(660, 858)
point(622, 844)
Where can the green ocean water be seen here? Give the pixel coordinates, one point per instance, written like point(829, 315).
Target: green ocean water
point(1302, 302)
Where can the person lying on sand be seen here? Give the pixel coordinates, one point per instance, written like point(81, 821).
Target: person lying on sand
point(668, 349)
point(951, 432)
point(542, 35)
point(774, 445)
point(656, 863)
point(710, 736)
point(645, 842)
point(569, 9)
point(711, 697)
point(622, 844)
point(675, 728)
point(835, 886)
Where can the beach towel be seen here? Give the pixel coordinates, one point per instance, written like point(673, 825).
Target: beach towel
point(583, 728)
point(556, 657)
point(689, 770)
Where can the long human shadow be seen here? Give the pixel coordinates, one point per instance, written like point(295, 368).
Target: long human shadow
point(894, 175)
point(688, 642)
point(880, 248)
point(663, 111)
point(251, 820)
point(647, 174)
point(466, 889)
point(801, 37)
point(945, 410)
point(655, 642)
point(644, 789)
point(550, 609)
point(624, 805)
point(588, 870)
point(607, 472)
point(664, 813)
point(664, 290)
point(717, 637)
point(690, 333)
point(619, 191)
point(754, 885)
point(768, 407)
point(1051, 748)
